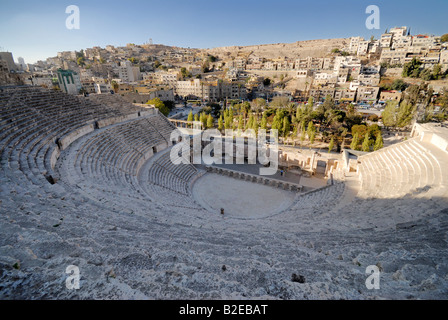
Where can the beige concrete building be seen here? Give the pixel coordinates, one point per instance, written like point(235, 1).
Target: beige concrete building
point(320, 93)
point(344, 94)
point(367, 93)
point(386, 40)
point(392, 56)
point(388, 95)
point(210, 90)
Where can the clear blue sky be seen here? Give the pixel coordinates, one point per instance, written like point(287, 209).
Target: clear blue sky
point(36, 30)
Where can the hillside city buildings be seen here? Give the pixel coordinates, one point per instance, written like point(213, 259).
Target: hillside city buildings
point(138, 72)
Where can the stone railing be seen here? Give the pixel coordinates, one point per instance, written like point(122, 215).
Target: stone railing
point(285, 185)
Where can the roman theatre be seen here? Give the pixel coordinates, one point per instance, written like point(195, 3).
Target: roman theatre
point(88, 181)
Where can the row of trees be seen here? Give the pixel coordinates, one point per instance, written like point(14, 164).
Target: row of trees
point(398, 114)
point(292, 121)
point(401, 114)
point(370, 136)
point(413, 69)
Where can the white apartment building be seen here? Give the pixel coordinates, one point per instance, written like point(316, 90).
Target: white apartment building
point(67, 55)
point(354, 44)
point(344, 94)
point(128, 73)
point(374, 46)
point(369, 79)
point(367, 93)
point(386, 40)
point(312, 63)
point(270, 65)
point(346, 62)
point(402, 42)
point(398, 32)
point(424, 41)
point(169, 78)
point(392, 56)
point(363, 47)
point(370, 69)
point(325, 78)
point(239, 64)
point(22, 64)
point(328, 64)
point(210, 90)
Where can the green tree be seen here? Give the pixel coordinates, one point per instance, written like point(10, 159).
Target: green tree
point(355, 142)
point(258, 104)
point(210, 121)
point(406, 113)
point(303, 135)
point(240, 122)
point(426, 75)
point(245, 108)
point(277, 123)
point(399, 85)
point(310, 130)
point(310, 104)
point(378, 142)
point(190, 116)
point(412, 69)
point(228, 120)
point(203, 119)
point(366, 144)
point(250, 123)
point(264, 122)
point(81, 61)
point(331, 145)
point(220, 123)
point(444, 38)
point(373, 130)
point(256, 126)
point(295, 132)
point(359, 129)
point(286, 126)
point(313, 136)
point(437, 72)
point(390, 114)
point(196, 117)
point(185, 73)
point(279, 102)
point(160, 106)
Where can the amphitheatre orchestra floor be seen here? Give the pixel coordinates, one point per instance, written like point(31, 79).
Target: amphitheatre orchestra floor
point(289, 176)
point(240, 199)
